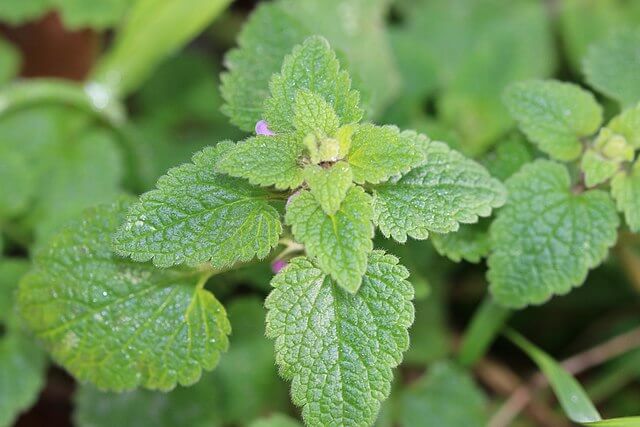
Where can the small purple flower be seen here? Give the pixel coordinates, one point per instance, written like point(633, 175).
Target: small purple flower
point(262, 128)
point(278, 265)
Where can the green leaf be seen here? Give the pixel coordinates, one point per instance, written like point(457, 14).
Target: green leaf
point(583, 22)
point(244, 385)
point(554, 115)
point(379, 152)
point(274, 28)
point(73, 163)
point(265, 160)
point(81, 172)
point(445, 190)
point(22, 374)
point(329, 186)
point(312, 66)
point(196, 215)
point(276, 420)
point(489, 44)
point(597, 168)
point(22, 363)
point(194, 406)
point(102, 14)
point(338, 348)
point(445, 397)
point(9, 61)
point(11, 270)
point(547, 238)
point(572, 397)
point(314, 115)
point(509, 155)
point(19, 178)
point(340, 243)
point(115, 323)
point(627, 124)
point(16, 12)
point(625, 188)
point(611, 66)
point(470, 243)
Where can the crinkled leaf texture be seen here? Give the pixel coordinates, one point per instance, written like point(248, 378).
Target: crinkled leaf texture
point(625, 188)
point(265, 160)
point(329, 186)
point(339, 348)
point(197, 215)
point(276, 27)
point(379, 152)
point(627, 124)
point(597, 168)
point(445, 397)
point(242, 387)
point(611, 66)
point(312, 66)
point(339, 243)
point(546, 238)
point(445, 190)
point(115, 323)
point(554, 115)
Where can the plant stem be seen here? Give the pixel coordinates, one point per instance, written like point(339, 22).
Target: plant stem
point(485, 325)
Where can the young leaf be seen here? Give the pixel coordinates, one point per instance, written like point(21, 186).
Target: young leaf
point(625, 188)
point(554, 115)
point(312, 114)
point(329, 186)
point(445, 190)
point(265, 160)
point(546, 238)
point(379, 152)
point(22, 372)
point(312, 66)
point(274, 28)
point(597, 168)
point(340, 243)
point(445, 397)
point(338, 348)
point(196, 215)
point(627, 124)
point(611, 66)
point(116, 323)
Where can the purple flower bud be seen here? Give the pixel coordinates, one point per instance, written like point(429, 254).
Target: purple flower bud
point(278, 265)
point(262, 128)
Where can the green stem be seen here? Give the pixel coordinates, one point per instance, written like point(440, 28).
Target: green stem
point(153, 30)
point(88, 98)
point(485, 325)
